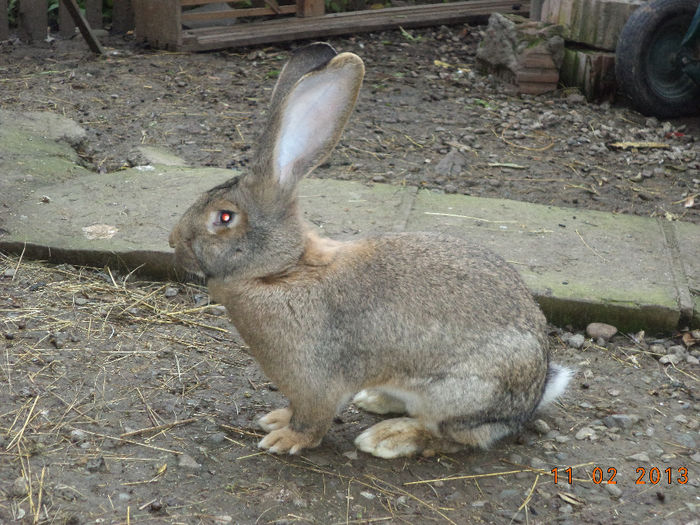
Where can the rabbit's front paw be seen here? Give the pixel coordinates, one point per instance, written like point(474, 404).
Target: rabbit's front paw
point(275, 420)
point(378, 402)
point(393, 438)
point(286, 440)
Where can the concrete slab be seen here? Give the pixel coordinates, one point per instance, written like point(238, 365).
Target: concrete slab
point(633, 272)
point(688, 239)
point(582, 266)
point(123, 219)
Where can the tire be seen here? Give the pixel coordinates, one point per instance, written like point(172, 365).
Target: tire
point(645, 64)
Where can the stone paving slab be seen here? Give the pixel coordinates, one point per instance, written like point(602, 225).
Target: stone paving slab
point(634, 272)
point(579, 264)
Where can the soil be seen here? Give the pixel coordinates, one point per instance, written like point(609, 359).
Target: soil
point(125, 401)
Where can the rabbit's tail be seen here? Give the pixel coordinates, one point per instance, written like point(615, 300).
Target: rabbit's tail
point(557, 379)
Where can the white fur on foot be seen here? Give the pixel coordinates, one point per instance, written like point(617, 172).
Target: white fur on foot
point(377, 402)
point(393, 438)
point(275, 420)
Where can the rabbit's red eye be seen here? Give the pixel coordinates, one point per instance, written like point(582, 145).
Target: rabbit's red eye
point(225, 217)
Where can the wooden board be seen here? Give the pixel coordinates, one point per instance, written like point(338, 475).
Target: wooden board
point(297, 28)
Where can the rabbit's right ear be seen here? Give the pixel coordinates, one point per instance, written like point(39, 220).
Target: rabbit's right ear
point(307, 117)
point(303, 61)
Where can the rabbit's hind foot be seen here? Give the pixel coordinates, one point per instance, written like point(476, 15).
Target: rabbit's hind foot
point(378, 402)
point(401, 436)
point(275, 420)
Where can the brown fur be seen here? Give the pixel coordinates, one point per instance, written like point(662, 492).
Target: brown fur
point(441, 329)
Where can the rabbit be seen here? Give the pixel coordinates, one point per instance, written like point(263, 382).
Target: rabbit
point(442, 334)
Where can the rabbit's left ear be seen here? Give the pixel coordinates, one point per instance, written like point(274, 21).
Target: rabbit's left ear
point(307, 124)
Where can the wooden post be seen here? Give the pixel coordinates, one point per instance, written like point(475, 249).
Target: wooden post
point(310, 8)
point(159, 22)
point(4, 21)
point(66, 26)
point(122, 16)
point(93, 13)
point(33, 19)
point(84, 27)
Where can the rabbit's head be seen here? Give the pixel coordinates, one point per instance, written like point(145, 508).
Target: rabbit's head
point(250, 225)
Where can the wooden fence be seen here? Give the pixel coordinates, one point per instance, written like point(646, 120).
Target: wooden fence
point(32, 20)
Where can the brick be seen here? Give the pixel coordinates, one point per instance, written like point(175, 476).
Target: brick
point(591, 71)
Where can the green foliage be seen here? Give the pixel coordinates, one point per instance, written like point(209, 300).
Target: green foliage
point(336, 6)
point(52, 10)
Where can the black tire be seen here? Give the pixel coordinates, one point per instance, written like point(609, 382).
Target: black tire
point(645, 64)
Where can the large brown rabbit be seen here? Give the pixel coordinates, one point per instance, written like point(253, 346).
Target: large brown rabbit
point(420, 324)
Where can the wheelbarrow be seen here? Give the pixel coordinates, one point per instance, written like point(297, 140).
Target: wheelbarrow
point(657, 60)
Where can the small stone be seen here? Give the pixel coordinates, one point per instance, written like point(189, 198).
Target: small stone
point(562, 439)
point(614, 491)
point(541, 426)
point(187, 461)
point(677, 350)
point(367, 495)
point(575, 98)
point(58, 340)
point(566, 509)
point(222, 519)
point(9, 273)
point(20, 487)
point(680, 419)
point(77, 436)
point(670, 359)
point(620, 420)
point(379, 179)
point(576, 341)
point(217, 438)
point(696, 457)
point(80, 301)
point(600, 330)
point(640, 456)
point(96, 465)
point(692, 360)
point(585, 433)
point(123, 496)
point(171, 291)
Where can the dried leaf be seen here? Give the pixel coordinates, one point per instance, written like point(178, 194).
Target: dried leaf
point(440, 63)
point(689, 201)
point(100, 231)
point(571, 498)
point(688, 339)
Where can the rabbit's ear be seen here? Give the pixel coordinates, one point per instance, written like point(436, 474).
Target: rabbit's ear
point(307, 123)
point(303, 61)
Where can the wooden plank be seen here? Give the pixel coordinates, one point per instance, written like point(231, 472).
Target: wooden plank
point(298, 28)
point(4, 21)
point(122, 16)
point(306, 8)
point(84, 27)
point(93, 13)
point(33, 19)
point(188, 16)
point(159, 22)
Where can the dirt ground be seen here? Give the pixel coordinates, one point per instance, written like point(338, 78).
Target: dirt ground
point(124, 401)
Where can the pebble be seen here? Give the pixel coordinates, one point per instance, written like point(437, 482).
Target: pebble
point(585, 433)
point(187, 461)
point(670, 359)
point(10, 272)
point(20, 487)
point(80, 301)
point(640, 456)
point(171, 291)
point(600, 330)
point(96, 465)
point(678, 350)
point(541, 426)
point(692, 360)
point(217, 438)
point(77, 436)
point(620, 420)
point(614, 491)
point(576, 341)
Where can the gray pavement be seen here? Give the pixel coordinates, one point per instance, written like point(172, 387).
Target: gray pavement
point(633, 272)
